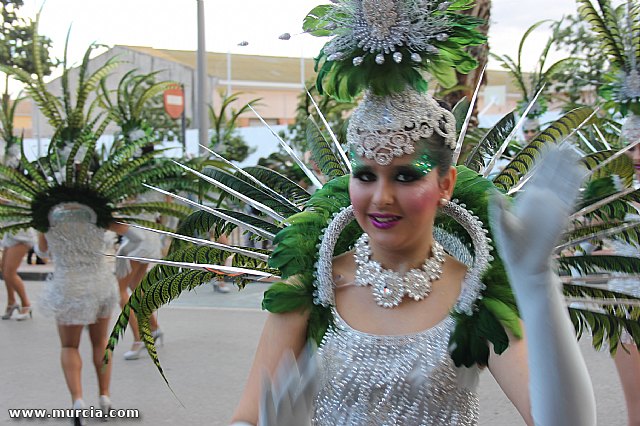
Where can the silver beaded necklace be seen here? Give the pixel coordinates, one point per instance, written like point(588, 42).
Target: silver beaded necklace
point(390, 287)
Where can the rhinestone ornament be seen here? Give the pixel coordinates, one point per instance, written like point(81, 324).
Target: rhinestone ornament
point(390, 287)
point(384, 127)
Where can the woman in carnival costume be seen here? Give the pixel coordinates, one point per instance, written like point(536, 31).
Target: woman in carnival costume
point(392, 353)
point(409, 302)
point(72, 197)
point(14, 245)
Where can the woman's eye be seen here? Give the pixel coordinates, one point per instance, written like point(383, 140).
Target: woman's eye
point(407, 177)
point(364, 176)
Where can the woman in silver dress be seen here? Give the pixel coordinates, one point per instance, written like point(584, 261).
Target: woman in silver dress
point(81, 293)
point(385, 357)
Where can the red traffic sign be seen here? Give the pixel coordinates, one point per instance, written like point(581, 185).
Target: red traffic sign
point(174, 102)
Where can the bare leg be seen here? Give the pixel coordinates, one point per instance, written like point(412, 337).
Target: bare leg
point(124, 298)
point(98, 335)
point(70, 358)
point(11, 294)
point(10, 262)
point(628, 366)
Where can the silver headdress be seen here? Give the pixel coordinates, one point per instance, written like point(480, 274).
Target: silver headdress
point(384, 127)
point(383, 27)
point(630, 129)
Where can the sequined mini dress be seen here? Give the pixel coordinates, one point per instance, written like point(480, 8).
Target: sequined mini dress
point(393, 380)
point(83, 287)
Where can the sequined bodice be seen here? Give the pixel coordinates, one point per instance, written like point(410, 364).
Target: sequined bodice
point(393, 380)
point(76, 243)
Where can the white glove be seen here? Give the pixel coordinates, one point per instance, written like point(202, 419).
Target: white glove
point(526, 235)
point(288, 401)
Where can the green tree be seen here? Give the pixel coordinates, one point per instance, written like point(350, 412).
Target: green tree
point(573, 35)
point(225, 139)
point(467, 83)
point(17, 49)
point(17, 36)
point(135, 107)
point(335, 112)
point(530, 83)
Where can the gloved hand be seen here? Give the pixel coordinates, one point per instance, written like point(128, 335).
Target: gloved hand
point(526, 235)
point(288, 401)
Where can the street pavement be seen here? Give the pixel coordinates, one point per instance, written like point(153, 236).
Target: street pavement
point(210, 342)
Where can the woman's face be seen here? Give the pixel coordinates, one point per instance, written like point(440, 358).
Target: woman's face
point(396, 204)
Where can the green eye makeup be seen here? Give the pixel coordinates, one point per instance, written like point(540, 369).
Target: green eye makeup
point(424, 164)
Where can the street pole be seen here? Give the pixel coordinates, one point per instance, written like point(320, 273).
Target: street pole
point(183, 124)
point(201, 82)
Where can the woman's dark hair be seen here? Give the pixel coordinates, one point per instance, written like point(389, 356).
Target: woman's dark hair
point(437, 149)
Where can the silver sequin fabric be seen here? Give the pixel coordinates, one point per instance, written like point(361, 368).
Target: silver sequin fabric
point(82, 288)
point(393, 380)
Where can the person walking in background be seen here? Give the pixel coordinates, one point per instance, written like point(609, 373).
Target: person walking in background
point(130, 273)
point(15, 247)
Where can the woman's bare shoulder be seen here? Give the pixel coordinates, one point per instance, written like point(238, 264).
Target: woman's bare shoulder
point(344, 267)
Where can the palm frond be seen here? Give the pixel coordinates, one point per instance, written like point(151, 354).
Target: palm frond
point(491, 141)
point(555, 134)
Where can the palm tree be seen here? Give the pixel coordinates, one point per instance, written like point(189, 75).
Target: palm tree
point(541, 77)
point(225, 140)
point(468, 82)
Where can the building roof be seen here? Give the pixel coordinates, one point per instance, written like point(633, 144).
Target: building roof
point(272, 69)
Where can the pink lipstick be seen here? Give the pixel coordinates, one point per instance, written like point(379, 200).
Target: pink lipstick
point(384, 221)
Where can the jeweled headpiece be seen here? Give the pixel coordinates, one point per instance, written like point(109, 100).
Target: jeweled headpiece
point(384, 127)
point(630, 129)
point(384, 47)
